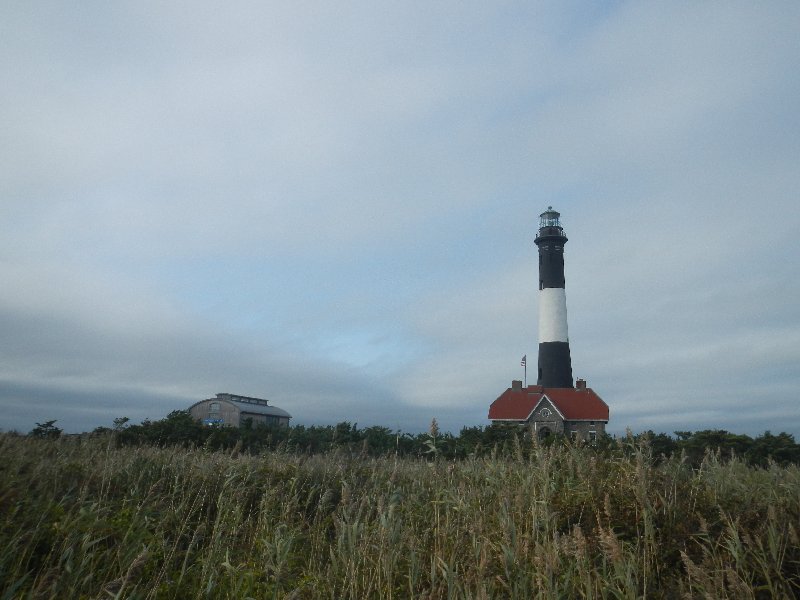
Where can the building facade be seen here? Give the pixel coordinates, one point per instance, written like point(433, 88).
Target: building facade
point(578, 413)
point(234, 411)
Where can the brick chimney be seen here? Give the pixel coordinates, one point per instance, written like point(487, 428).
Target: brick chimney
point(516, 385)
point(580, 385)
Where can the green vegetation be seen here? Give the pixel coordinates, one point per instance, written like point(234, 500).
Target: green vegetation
point(113, 515)
point(179, 428)
point(47, 429)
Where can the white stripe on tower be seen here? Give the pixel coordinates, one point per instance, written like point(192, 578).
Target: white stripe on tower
point(553, 315)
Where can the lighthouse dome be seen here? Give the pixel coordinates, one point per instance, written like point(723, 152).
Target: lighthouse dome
point(550, 218)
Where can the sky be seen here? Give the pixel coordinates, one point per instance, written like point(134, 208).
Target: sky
point(332, 205)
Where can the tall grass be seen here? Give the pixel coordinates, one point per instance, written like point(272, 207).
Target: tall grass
point(80, 518)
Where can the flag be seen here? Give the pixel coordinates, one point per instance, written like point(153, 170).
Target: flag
point(524, 361)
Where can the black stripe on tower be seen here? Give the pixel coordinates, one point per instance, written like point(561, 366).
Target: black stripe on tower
point(555, 363)
point(551, 260)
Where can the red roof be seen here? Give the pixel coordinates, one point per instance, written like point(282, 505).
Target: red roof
point(573, 404)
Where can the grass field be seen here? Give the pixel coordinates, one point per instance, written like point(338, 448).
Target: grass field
point(82, 518)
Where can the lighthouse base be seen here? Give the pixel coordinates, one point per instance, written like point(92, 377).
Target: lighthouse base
point(555, 365)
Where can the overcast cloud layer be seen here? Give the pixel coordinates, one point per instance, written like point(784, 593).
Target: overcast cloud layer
point(333, 206)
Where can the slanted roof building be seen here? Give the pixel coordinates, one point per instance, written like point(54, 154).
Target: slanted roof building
point(576, 412)
point(234, 410)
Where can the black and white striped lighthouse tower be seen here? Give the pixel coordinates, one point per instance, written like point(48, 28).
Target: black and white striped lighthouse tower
point(555, 364)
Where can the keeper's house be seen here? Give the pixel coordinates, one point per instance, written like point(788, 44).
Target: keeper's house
point(235, 411)
point(577, 412)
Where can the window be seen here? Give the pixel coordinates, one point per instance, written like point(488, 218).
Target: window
point(573, 435)
point(593, 436)
point(214, 406)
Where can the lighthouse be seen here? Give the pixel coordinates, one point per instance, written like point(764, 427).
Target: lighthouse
point(553, 406)
point(555, 364)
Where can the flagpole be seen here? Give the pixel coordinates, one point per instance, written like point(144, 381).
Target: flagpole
point(525, 364)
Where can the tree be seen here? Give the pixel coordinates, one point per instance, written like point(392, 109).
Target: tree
point(470, 441)
point(697, 444)
point(661, 444)
point(780, 448)
point(378, 440)
point(46, 430)
point(180, 428)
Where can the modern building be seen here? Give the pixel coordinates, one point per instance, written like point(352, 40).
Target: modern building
point(575, 412)
point(235, 411)
point(553, 405)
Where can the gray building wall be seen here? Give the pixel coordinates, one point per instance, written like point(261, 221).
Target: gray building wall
point(540, 422)
point(585, 430)
point(262, 419)
point(216, 411)
point(223, 412)
point(545, 419)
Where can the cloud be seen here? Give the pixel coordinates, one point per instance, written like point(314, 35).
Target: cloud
point(333, 207)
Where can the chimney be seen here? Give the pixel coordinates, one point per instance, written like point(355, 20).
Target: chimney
point(580, 384)
point(516, 385)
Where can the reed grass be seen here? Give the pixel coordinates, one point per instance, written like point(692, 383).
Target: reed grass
point(81, 518)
